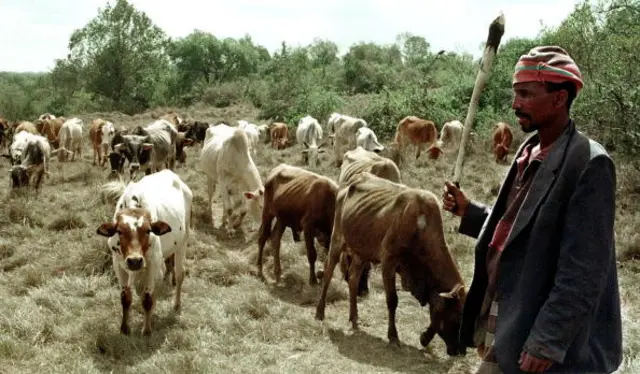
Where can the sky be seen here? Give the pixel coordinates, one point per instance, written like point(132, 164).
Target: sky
point(34, 33)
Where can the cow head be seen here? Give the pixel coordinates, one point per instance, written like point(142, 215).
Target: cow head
point(197, 131)
point(445, 308)
point(19, 176)
point(255, 202)
point(445, 311)
point(136, 149)
point(310, 155)
point(181, 142)
point(434, 151)
point(134, 228)
point(116, 161)
point(108, 132)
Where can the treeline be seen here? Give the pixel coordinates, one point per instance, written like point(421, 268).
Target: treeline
point(122, 61)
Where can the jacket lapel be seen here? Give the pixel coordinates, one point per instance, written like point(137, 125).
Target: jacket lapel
point(542, 182)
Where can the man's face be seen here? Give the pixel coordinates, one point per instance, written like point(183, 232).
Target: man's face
point(534, 106)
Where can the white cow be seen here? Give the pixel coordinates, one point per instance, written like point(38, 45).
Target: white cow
point(344, 129)
point(108, 132)
point(253, 133)
point(226, 160)
point(151, 223)
point(451, 134)
point(29, 155)
point(70, 136)
point(367, 139)
point(309, 135)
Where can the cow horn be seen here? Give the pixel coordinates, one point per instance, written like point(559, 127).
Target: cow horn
point(454, 293)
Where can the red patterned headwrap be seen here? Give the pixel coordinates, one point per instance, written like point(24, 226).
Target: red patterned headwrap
point(547, 64)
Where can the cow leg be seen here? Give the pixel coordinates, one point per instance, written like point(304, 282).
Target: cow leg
point(147, 300)
point(169, 264)
point(363, 284)
point(264, 233)
point(427, 335)
point(125, 295)
point(336, 247)
point(418, 150)
point(355, 271)
point(389, 283)
point(178, 274)
point(312, 254)
point(276, 237)
point(211, 190)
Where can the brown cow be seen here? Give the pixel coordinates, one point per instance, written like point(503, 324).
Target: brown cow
point(279, 135)
point(50, 128)
point(401, 228)
point(502, 138)
point(418, 132)
point(301, 200)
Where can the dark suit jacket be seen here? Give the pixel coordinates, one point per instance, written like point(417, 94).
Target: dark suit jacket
point(557, 279)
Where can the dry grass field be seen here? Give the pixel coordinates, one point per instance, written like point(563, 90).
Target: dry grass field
point(60, 305)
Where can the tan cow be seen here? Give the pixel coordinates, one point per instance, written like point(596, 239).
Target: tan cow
point(451, 134)
point(502, 138)
point(26, 126)
point(418, 132)
point(178, 122)
point(279, 135)
point(299, 199)
point(400, 228)
point(344, 130)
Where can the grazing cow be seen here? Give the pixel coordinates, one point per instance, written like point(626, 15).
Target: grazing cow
point(152, 149)
point(46, 116)
point(301, 200)
point(279, 135)
point(418, 132)
point(29, 155)
point(151, 223)
point(367, 139)
point(253, 134)
point(197, 131)
point(355, 162)
point(226, 160)
point(401, 228)
point(50, 128)
point(309, 134)
point(502, 138)
point(343, 130)
point(70, 139)
point(451, 134)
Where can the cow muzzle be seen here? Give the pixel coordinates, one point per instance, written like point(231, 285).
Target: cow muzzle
point(134, 167)
point(135, 263)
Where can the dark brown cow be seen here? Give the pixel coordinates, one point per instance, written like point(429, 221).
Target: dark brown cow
point(301, 200)
point(417, 131)
point(502, 138)
point(400, 228)
point(181, 142)
point(279, 135)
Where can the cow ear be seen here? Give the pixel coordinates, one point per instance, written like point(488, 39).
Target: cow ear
point(147, 146)
point(107, 229)
point(160, 228)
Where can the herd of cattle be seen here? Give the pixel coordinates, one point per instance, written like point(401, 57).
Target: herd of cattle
point(367, 216)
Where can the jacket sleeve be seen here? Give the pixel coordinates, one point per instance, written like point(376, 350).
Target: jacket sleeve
point(584, 261)
point(473, 219)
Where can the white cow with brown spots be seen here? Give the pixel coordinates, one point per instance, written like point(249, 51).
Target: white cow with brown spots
point(151, 223)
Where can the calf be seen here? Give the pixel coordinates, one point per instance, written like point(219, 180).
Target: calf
point(417, 131)
point(152, 149)
point(279, 134)
point(70, 139)
point(502, 138)
point(451, 134)
point(301, 200)
point(225, 160)
point(401, 228)
point(29, 156)
point(308, 135)
point(151, 223)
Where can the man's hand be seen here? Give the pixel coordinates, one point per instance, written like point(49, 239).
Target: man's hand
point(452, 198)
point(533, 364)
